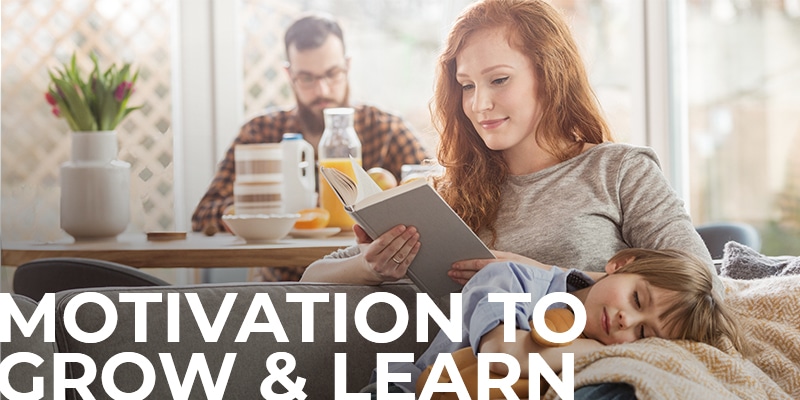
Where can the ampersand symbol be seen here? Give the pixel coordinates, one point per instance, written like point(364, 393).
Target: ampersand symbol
point(294, 390)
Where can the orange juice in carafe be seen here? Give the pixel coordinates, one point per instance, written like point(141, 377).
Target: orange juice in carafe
point(339, 142)
point(328, 199)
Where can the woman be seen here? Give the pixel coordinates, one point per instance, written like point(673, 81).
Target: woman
point(529, 163)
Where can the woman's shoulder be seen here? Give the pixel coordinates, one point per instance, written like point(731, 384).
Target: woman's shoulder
point(608, 149)
point(621, 153)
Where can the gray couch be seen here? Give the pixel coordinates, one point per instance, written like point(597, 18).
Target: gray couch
point(314, 361)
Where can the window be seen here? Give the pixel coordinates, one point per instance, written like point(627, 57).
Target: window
point(394, 46)
point(743, 61)
point(37, 36)
point(399, 39)
point(742, 80)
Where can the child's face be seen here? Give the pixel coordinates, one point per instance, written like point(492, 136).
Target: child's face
point(622, 308)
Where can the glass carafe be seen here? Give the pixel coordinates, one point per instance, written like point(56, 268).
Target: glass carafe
point(338, 143)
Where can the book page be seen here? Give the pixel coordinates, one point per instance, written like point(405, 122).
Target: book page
point(388, 193)
point(342, 185)
point(352, 195)
point(366, 186)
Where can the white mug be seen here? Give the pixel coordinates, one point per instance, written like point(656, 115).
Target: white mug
point(251, 198)
point(259, 162)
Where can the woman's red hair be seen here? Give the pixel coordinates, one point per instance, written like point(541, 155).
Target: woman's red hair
point(570, 116)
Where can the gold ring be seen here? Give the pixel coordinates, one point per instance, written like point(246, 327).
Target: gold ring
point(396, 260)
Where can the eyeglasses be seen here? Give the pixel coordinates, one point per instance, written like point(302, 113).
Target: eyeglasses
point(333, 76)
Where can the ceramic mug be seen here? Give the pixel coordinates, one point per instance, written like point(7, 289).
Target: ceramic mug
point(251, 198)
point(258, 162)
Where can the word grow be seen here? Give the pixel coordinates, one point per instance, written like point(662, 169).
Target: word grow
point(261, 305)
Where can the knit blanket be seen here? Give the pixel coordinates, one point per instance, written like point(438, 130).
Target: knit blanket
point(769, 311)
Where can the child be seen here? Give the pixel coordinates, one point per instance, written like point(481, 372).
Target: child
point(646, 293)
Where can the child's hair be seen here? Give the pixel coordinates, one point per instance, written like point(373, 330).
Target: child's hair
point(697, 312)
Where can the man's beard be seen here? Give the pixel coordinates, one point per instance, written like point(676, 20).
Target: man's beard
point(314, 121)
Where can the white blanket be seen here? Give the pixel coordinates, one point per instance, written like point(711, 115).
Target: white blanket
point(769, 311)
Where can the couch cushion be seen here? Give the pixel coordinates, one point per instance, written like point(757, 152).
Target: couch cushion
point(314, 361)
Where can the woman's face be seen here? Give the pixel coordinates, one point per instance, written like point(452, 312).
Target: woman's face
point(499, 90)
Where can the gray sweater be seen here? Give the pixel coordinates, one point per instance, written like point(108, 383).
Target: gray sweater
point(578, 213)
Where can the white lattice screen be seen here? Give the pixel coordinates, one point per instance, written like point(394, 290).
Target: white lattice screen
point(263, 25)
point(393, 45)
point(36, 36)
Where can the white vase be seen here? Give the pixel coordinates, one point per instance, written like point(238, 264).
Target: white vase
point(95, 187)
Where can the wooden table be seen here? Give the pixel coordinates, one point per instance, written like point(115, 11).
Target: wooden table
point(196, 251)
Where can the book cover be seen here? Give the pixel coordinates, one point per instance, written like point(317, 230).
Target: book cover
point(445, 238)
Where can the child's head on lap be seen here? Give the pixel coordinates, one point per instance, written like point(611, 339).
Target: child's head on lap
point(657, 293)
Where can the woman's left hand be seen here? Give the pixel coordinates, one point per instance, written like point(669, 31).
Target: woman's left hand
point(464, 270)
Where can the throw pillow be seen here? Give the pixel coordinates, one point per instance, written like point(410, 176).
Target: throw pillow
point(742, 262)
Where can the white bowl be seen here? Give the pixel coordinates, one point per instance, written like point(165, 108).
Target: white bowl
point(260, 228)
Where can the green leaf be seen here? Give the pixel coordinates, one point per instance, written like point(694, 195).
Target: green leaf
point(90, 104)
point(74, 104)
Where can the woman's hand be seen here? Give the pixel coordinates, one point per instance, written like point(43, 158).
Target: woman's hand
point(519, 259)
point(579, 347)
point(387, 258)
point(464, 270)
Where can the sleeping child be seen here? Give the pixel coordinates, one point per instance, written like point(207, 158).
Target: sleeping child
point(645, 293)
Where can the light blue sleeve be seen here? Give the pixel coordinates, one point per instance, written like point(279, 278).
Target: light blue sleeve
point(481, 315)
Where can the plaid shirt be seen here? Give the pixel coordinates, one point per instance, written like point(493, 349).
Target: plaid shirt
point(385, 142)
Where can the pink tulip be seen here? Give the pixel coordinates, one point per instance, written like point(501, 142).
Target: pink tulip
point(56, 111)
point(122, 90)
point(50, 99)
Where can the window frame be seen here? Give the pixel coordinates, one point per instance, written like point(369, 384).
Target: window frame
point(208, 85)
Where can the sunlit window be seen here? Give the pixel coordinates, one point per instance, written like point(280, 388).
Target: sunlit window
point(744, 125)
point(743, 82)
point(604, 31)
point(394, 46)
point(39, 35)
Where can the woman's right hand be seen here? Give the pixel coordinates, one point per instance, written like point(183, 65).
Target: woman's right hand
point(387, 257)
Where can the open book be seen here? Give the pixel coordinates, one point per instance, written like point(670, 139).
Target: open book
point(444, 236)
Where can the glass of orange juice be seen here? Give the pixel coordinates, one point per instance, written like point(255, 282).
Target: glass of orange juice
point(328, 199)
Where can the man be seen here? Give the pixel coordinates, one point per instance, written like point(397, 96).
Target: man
point(317, 69)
